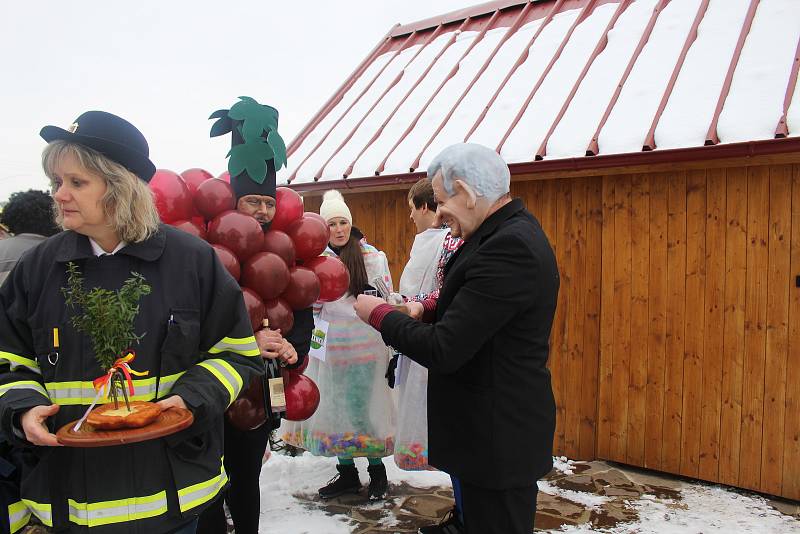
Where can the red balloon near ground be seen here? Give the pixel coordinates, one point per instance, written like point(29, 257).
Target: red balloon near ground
point(333, 277)
point(280, 315)
point(214, 197)
point(171, 195)
point(225, 177)
point(255, 307)
point(237, 231)
point(303, 289)
point(300, 369)
point(229, 260)
point(309, 236)
point(266, 273)
point(194, 177)
point(320, 218)
point(302, 396)
point(191, 227)
point(281, 244)
point(288, 208)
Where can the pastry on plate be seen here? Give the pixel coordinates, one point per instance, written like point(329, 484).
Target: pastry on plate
point(109, 417)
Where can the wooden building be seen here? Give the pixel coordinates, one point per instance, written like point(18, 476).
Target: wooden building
point(656, 141)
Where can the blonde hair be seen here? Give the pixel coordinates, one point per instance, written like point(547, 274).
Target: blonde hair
point(127, 203)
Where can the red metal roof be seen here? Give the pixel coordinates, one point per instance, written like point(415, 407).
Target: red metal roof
point(559, 80)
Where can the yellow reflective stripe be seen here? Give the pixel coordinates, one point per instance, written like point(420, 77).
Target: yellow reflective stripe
point(118, 511)
point(23, 384)
point(83, 392)
point(226, 374)
point(42, 511)
point(246, 346)
point(15, 361)
point(197, 494)
point(167, 383)
point(18, 516)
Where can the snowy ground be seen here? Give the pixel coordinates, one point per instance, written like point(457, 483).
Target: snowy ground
point(289, 484)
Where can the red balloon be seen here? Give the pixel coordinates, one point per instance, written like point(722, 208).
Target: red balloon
point(266, 273)
point(214, 197)
point(302, 396)
point(229, 260)
point(281, 244)
point(237, 231)
point(309, 236)
point(300, 369)
point(171, 195)
point(191, 227)
point(288, 208)
point(255, 307)
point(303, 289)
point(320, 218)
point(333, 277)
point(280, 315)
point(225, 177)
point(194, 177)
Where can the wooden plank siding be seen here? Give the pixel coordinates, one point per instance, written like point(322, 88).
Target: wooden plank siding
point(676, 342)
point(722, 347)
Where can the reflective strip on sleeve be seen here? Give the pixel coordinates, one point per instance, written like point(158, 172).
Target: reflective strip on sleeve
point(167, 383)
point(42, 511)
point(119, 511)
point(15, 362)
point(18, 516)
point(226, 374)
point(82, 393)
point(246, 346)
point(197, 494)
point(23, 384)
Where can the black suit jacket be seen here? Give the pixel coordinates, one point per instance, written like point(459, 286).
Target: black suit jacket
point(491, 412)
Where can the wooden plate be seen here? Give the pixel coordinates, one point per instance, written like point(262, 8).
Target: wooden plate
point(168, 422)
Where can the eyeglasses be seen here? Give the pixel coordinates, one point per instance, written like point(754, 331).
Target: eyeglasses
point(255, 203)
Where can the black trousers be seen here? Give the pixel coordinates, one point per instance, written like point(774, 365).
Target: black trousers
point(244, 451)
point(487, 511)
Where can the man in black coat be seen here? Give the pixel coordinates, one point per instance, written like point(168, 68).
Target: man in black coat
point(491, 412)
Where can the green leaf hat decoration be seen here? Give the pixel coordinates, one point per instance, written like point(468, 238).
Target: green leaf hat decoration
point(256, 139)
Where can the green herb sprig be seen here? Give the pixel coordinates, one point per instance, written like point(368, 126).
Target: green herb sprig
point(108, 316)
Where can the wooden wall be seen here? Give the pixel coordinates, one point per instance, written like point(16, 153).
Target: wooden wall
point(700, 328)
point(676, 343)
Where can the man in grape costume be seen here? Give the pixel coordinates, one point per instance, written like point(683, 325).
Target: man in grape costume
point(244, 449)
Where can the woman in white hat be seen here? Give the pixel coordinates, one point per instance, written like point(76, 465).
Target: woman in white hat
point(356, 414)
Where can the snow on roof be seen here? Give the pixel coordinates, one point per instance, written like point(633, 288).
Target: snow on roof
point(555, 79)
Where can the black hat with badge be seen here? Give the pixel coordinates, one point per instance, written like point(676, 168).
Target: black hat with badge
point(257, 149)
point(112, 136)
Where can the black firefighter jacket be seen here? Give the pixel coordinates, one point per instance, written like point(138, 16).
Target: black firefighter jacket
point(491, 412)
point(198, 343)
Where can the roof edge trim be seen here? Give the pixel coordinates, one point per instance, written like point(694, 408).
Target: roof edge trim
point(456, 16)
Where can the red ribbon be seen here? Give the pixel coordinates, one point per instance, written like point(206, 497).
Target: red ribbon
point(121, 365)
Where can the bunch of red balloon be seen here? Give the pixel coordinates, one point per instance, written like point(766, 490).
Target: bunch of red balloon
point(279, 270)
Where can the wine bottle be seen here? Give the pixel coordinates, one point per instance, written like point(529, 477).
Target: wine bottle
point(273, 391)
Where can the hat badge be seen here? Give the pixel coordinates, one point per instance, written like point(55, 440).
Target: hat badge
point(73, 127)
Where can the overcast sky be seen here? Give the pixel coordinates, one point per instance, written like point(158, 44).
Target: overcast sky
point(165, 65)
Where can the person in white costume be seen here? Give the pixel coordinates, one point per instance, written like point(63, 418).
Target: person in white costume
point(418, 281)
point(356, 415)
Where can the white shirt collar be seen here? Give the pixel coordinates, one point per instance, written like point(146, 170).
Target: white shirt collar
point(97, 250)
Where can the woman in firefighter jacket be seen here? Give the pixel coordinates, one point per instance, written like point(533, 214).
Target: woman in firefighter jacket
point(197, 345)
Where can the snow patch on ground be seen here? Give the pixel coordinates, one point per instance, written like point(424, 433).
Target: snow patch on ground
point(702, 508)
point(283, 477)
point(588, 500)
point(564, 465)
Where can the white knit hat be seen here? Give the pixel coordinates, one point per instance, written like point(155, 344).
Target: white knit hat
point(333, 205)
